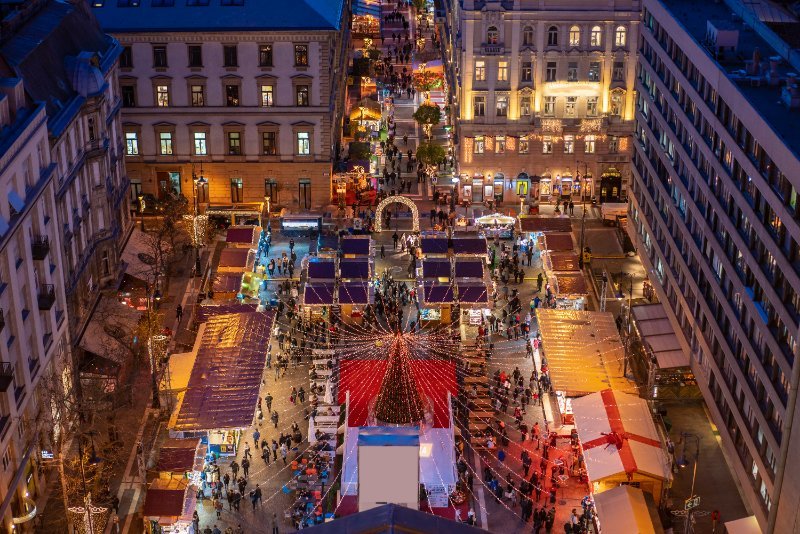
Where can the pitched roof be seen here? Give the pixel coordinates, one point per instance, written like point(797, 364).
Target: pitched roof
point(148, 15)
point(393, 518)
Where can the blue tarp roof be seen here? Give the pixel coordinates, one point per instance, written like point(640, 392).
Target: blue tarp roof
point(379, 436)
point(321, 269)
point(469, 245)
point(318, 294)
point(436, 268)
point(434, 245)
point(225, 380)
point(391, 518)
point(356, 293)
point(355, 245)
point(469, 269)
point(354, 268)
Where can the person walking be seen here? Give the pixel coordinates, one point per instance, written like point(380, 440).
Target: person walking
point(274, 451)
point(246, 467)
point(275, 418)
point(284, 453)
point(218, 507)
point(265, 455)
point(235, 469)
point(256, 438)
point(179, 313)
point(274, 523)
point(268, 400)
point(395, 239)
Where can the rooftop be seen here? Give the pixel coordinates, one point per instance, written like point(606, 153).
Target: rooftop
point(765, 98)
point(121, 16)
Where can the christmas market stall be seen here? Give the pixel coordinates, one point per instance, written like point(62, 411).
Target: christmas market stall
point(168, 506)
point(321, 269)
point(355, 290)
point(243, 237)
point(436, 301)
point(236, 260)
point(244, 213)
point(584, 354)
point(436, 269)
point(222, 392)
point(497, 224)
point(570, 291)
point(226, 286)
point(470, 246)
point(434, 244)
point(625, 509)
point(356, 245)
point(621, 444)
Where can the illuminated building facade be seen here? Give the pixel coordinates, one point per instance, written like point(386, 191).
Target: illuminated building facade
point(545, 98)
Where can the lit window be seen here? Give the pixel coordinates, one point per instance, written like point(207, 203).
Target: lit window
point(200, 148)
point(527, 72)
point(165, 143)
point(591, 106)
point(500, 144)
point(131, 144)
point(267, 96)
point(596, 36)
point(303, 143)
point(480, 144)
point(269, 147)
point(232, 95)
point(594, 71)
point(502, 71)
point(302, 95)
point(480, 71)
point(198, 98)
point(549, 106)
point(524, 144)
point(569, 144)
point(589, 142)
point(569, 109)
point(620, 36)
point(572, 71)
point(265, 55)
point(301, 55)
point(479, 105)
point(574, 36)
point(525, 106)
point(502, 105)
point(234, 143)
point(547, 145)
point(162, 96)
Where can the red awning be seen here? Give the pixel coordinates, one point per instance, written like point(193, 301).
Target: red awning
point(163, 503)
point(545, 224)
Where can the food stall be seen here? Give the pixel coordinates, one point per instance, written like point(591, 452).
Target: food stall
point(243, 237)
point(497, 224)
point(226, 286)
point(434, 244)
point(354, 297)
point(301, 223)
point(469, 268)
point(245, 213)
point(533, 226)
point(435, 303)
point(620, 443)
point(435, 269)
point(168, 505)
point(473, 299)
point(236, 260)
point(321, 269)
point(570, 291)
point(556, 242)
point(356, 245)
point(464, 245)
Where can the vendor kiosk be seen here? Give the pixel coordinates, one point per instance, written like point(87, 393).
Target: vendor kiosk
point(301, 224)
point(497, 225)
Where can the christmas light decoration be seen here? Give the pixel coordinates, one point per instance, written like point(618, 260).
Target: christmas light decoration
point(399, 401)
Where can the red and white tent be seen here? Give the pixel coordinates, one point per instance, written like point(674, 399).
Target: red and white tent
point(620, 441)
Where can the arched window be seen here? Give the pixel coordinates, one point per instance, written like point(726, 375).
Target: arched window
point(620, 36)
point(574, 36)
point(492, 35)
point(552, 36)
point(596, 37)
point(527, 36)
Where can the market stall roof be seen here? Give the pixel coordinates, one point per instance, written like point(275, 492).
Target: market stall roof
point(658, 336)
point(570, 284)
point(354, 268)
point(618, 436)
point(356, 293)
point(233, 258)
point(473, 293)
point(436, 268)
point(242, 235)
point(321, 269)
point(436, 244)
point(164, 497)
point(564, 261)
point(318, 294)
point(206, 311)
point(469, 268)
point(624, 509)
point(745, 525)
point(227, 283)
point(545, 224)
point(584, 351)
point(225, 380)
point(393, 518)
point(470, 246)
point(177, 455)
point(437, 293)
point(557, 242)
point(356, 245)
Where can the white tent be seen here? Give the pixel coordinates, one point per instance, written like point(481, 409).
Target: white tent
point(745, 525)
point(623, 509)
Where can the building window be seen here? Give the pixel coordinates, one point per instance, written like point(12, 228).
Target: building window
point(591, 106)
point(618, 72)
point(200, 148)
point(128, 96)
point(195, 56)
point(500, 144)
point(480, 71)
point(526, 74)
point(547, 145)
point(569, 144)
point(620, 36)
point(131, 144)
point(569, 108)
point(267, 96)
point(596, 37)
point(232, 95)
point(572, 71)
point(525, 106)
point(527, 36)
point(550, 71)
point(524, 145)
point(303, 143)
point(269, 145)
point(552, 36)
point(265, 55)
point(479, 145)
point(613, 144)
point(198, 96)
point(302, 95)
point(616, 103)
point(300, 55)
point(304, 193)
point(502, 105)
point(271, 190)
point(492, 35)
point(236, 189)
point(479, 105)
point(588, 145)
point(502, 71)
point(230, 56)
point(594, 71)
point(126, 58)
point(235, 143)
point(162, 96)
point(165, 143)
point(574, 36)
point(160, 56)
point(549, 106)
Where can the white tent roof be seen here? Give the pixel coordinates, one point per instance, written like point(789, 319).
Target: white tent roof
point(745, 525)
point(623, 509)
point(658, 335)
point(599, 416)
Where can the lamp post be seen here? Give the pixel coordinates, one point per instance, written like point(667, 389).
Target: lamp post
point(141, 210)
point(682, 463)
point(153, 296)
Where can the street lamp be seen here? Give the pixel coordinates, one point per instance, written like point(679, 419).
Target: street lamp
point(682, 463)
point(141, 210)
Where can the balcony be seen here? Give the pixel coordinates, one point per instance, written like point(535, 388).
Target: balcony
point(6, 376)
point(493, 49)
point(40, 246)
point(46, 296)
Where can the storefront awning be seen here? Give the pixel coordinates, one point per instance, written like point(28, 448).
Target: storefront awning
point(469, 268)
point(354, 268)
point(436, 268)
point(584, 351)
point(557, 242)
point(318, 294)
point(624, 509)
point(226, 377)
point(321, 269)
point(545, 224)
point(658, 336)
point(470, 246)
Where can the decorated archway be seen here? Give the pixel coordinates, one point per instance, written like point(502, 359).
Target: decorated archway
point(391, 200)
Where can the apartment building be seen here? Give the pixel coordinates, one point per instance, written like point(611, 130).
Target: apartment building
point(545, 98)
point(715, 217)
point(247, 95)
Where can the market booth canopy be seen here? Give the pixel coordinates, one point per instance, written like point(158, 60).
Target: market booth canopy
point(624, 509)
point(225, 380)
point(658, 336)
point(436, 268)
point(356, 245)
point(545, 224)
point(321, 269)
point(434, 244)
point(557, 242)
point(319, 294)
point(470, 246)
